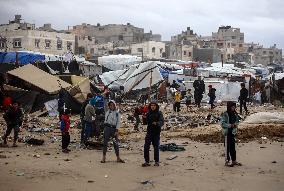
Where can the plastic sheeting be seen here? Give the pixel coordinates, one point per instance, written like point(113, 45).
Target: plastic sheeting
point(23, 57)
point(118, 62)
point(136, 77)
point(225, 91)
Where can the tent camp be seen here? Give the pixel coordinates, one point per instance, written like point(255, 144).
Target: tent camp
point(137, 77)
point(40, 80)
point(118, 62)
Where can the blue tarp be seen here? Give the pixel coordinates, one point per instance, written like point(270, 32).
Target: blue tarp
point(164, 73)
point(23, 57)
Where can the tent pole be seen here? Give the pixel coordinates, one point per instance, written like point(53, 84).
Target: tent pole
point(150, 86)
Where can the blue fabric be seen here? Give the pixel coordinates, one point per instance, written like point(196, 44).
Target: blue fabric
point(62, 125)
point(23, 57)
point(99, 102)
point(164, 73)
point(93, 101)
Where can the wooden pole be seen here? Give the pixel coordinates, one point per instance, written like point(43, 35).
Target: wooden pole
point(151, 78)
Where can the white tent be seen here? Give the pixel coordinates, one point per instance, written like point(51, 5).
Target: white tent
point(137, 77)
point(118, 62)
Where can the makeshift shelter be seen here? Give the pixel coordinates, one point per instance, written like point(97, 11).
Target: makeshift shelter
point(225, 91)
point(90, 69)
point(37, 79)
point(137, 77)
point(21, 56)
point(118, 62)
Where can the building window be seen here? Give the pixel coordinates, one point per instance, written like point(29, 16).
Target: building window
point(233, 37)
point(264, 52)
point(92, 50)
point(37, 43)
point(189, 54)
point(17, 43)
point(120, 37)
point(270, 52)
point(161, 50)
point(233, 44)
point(59, 44)
point(220, 44)
point(184, 53)
point(139, 49)
point(240, 45)
point(47, 43)
point(153, 50)
point(2, 43)
point(241, 38)
point(69, 45)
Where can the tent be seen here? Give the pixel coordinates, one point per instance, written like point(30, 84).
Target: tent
point(39, 79)
point(118, 62)
point(137, 77)
point(23, 57)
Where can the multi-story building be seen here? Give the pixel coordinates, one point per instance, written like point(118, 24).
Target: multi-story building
point(17, 36)
point(228, 37)
point(266, 56)
point(149, 50)
point(118, 34)
point(182, 52)
point(210, 55)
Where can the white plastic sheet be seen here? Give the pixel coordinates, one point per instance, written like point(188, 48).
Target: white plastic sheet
point(118, 62)
point(136, 77)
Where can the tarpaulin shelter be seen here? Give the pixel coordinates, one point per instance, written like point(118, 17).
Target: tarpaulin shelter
point(118, 62)
point(23, 57)
point(37, 79)
point(137, 77)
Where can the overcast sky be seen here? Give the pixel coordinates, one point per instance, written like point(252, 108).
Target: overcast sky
point(261, 20)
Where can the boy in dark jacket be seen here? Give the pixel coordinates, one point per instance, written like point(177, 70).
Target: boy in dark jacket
point(64, 127)
point(212, 96)
point(155, 121)
point(13, 117)
point(229, 122)
point(243, 98)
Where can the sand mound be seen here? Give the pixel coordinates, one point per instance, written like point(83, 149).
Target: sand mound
point(266, 117)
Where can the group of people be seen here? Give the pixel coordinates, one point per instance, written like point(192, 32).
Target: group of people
point(101, 106)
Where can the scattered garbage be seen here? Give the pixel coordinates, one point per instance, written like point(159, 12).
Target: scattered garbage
point(34, 141)
point(172, 157)
point(20, 173)
point(171, 147)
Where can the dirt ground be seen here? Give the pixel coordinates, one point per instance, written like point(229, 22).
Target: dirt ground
point(199, 167)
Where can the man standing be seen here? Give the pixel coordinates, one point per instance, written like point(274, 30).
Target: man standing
point(82, 115)
point(243, 98)
point(155, 121)
point(13, 117)
point(112, 123)
point(199, 88)
point(90, 113)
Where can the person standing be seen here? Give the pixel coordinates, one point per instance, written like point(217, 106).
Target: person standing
point(229, 123)
point(14, 118)
point(155, 121)
point(188, 99)
point(64, 127)
point(111, 126)
point(199, 88)
point(90, 113)
point(82, 115)
point(243, 98)
point(177, 98)
point(212, 96)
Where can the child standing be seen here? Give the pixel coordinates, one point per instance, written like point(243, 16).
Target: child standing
point(212, 96)
point(188, 99)
point(64, 127)
point(229, 122)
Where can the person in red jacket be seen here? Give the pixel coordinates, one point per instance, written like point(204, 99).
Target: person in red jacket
point(64, 127)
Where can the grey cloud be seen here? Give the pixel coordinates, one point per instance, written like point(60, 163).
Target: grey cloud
point(260, 20)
